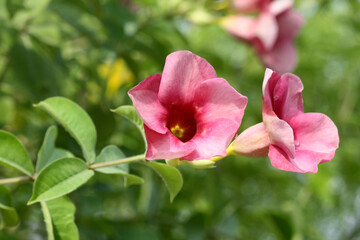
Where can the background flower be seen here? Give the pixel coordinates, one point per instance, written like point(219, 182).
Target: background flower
point(271, 33)
point(116, 74)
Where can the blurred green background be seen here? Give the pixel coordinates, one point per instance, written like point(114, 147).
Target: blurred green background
point(94, 51)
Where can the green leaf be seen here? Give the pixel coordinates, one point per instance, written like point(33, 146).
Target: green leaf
point(75, 120)
point(130, 179)
point(48, 152)
point(170, 175)
point(59, 219)
point(59, 178)
point(112, 153)
point(130, 113)
point(13, 154)
point(8, 215)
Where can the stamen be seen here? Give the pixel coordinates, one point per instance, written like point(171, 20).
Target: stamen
point(177, 131)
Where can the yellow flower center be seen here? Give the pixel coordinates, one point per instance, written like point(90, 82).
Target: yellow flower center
point(177, 131)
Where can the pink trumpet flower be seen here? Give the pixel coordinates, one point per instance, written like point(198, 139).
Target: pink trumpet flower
point(188, 112)
point(271, 33)
point(294, 141)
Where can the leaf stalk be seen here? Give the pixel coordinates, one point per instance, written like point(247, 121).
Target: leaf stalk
point(14, 180)
point(137, 158)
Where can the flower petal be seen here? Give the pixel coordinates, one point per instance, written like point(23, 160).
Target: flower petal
point(245, 5)
point(315, 132)
point(290, 23)
point(212, 139)
point(293, 103)
point(240, 27)
point(267, 29)
point(183, 73)
point(283, 94)
point(165, 146)
point(304, 161)
point(278, 7)
point(282, 57)
point(279, 131)
point(253, 142)
point(279, 160)
point(328, 157)
point(307, 161)
point(215, 98)
point(146, 102)
point(250, 5)
point(271, 79)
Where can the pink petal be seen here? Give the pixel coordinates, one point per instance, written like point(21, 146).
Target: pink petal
point(165, 146)
point(183, 73)
point(279, 131)
point(253, 142)
point(267, 29)
point(283, 94)
point(279, 6)
point(212, 139)
point(315, 132)
point(245, 5)
point(282, 57)
point(289, 23)
point(241, 27)
point(293, 103)
point(215, 98)
point(304, 161)
point(250, 5)
point(280, 161)
point(146, 102)
point(271, 79)
point(219, 111)
point(328, 157)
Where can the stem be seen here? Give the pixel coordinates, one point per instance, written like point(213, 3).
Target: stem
point(14, 180)
point(136, 158)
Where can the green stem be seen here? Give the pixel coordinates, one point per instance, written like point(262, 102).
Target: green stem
point(14, 180)
point(136, 158)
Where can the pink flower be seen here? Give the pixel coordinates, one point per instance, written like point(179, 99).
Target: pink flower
point(296, 141)
point(272, 34)
point(188, 112)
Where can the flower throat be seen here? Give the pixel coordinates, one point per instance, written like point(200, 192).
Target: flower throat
point(181, 122)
